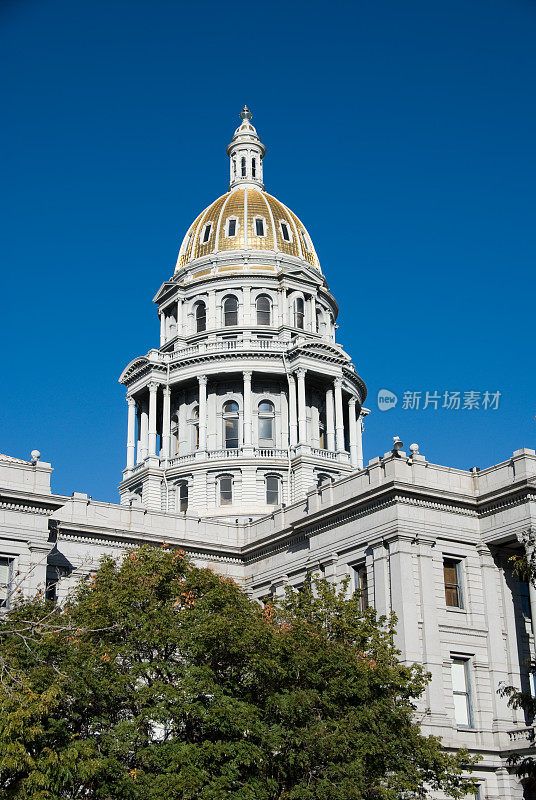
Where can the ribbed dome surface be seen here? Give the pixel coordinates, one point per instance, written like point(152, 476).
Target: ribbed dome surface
point(214, 230)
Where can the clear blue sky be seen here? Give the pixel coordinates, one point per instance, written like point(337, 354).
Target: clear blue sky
point(403, 134)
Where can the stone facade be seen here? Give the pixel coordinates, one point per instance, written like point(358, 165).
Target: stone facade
point(280, 399)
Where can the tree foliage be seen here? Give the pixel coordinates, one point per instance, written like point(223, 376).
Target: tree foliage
point(162, 681)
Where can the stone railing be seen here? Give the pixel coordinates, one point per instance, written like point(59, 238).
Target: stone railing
point(226, 345)
point(226, 454)
point(330, 455)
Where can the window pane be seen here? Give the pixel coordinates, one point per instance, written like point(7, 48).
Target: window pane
point(232, 227)
point(263, 310)
point(452, 589)
point(266, 429)
point(461, 711)
point(4, 581)
point(259, 227)
point(284, 231)
point(206, 234)
point(200, 316)
point(230, 311)
point(253, 168)
point(266, 406)
point(231, 432)
point(226, 491)
point(243, 167)
point(459, 678)
point(230, 407)
point(272, 490)
point(183, 497)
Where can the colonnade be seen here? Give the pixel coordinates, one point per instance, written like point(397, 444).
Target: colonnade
point(295, 433)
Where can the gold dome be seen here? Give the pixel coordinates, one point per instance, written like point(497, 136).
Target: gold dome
point(247, 218)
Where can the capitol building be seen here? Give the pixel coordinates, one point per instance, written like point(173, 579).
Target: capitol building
point(244, 447)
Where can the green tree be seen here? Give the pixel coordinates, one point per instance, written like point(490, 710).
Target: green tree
point(162, 681)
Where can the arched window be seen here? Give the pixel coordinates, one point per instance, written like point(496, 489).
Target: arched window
point(266, 423)
point(230, 311)
point(299, 313)
point(230, 424)
point(243, 167)
point(264, 310)
point(226, 490)
point(273, 485)
point(195, 427)
point(253, 168)
point(200, 317)
point(234, 167)
point(182, 491)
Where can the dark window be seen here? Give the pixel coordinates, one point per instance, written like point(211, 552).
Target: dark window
point(183, 496)
point(200, 317)
point(231, 227)
point(299, 313)
point(305, 240)
point(272, 490)
point(525, 598)
point(322, 430)
point(243, 167)
point(264, 309)
point(285, 232)
point(226, 490)
point(206, 233)
point(361, 584)
point(259, 226)
point(230, 311)
point(230, 424)
point(451, 575)
point(195, 426)
point(234, 167)
point(253, 168)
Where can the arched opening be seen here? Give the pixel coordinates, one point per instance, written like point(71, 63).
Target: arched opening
point(253, 168)
point(273, 490)
point(182, 492)
point(264, 310)
point(322, 439)
point(230, 311)
point(230, 425)
point(266, 412)
point(225, 490)
point(299, 313)
point(243, 167)
point(200, 316)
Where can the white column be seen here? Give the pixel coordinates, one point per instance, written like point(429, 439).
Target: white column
point(153, 395)
point(144, 431)
point(313, 313)
point(281, 307)
point(339, 419)
point(131, 431)
point(431, 640)
point(246, 306)
point(247, 409)
point(212, 322)
point(293, 426)
point(162, 328)
point(353, 432)
point(202, 412)
point(302, 408)
point(360, 425)
point(179, 317)
point(330, 419)
point(166, 424)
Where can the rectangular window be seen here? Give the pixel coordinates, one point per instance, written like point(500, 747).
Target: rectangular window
point(206, 233)
point(226, 490)
point(259, 226)
point(6, 571)
point(461, 692)
point(361, 583)
point(451, 576)
point(231, 230)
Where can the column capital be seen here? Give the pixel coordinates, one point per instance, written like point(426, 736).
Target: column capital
point(166, 390)
point(153, 386)
point(352, 401)
point(337, 383)
point(130, 400)
point(300, 372)
point(202, 380)
point(247, 375)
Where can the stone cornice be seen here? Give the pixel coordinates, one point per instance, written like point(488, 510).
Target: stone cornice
point(30, 503)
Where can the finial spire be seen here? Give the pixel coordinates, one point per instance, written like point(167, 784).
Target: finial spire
point(246, 152)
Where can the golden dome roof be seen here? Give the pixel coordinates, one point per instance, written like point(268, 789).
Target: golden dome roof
point(247, 218)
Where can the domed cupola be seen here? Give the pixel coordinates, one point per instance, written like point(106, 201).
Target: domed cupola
point(246, 221)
